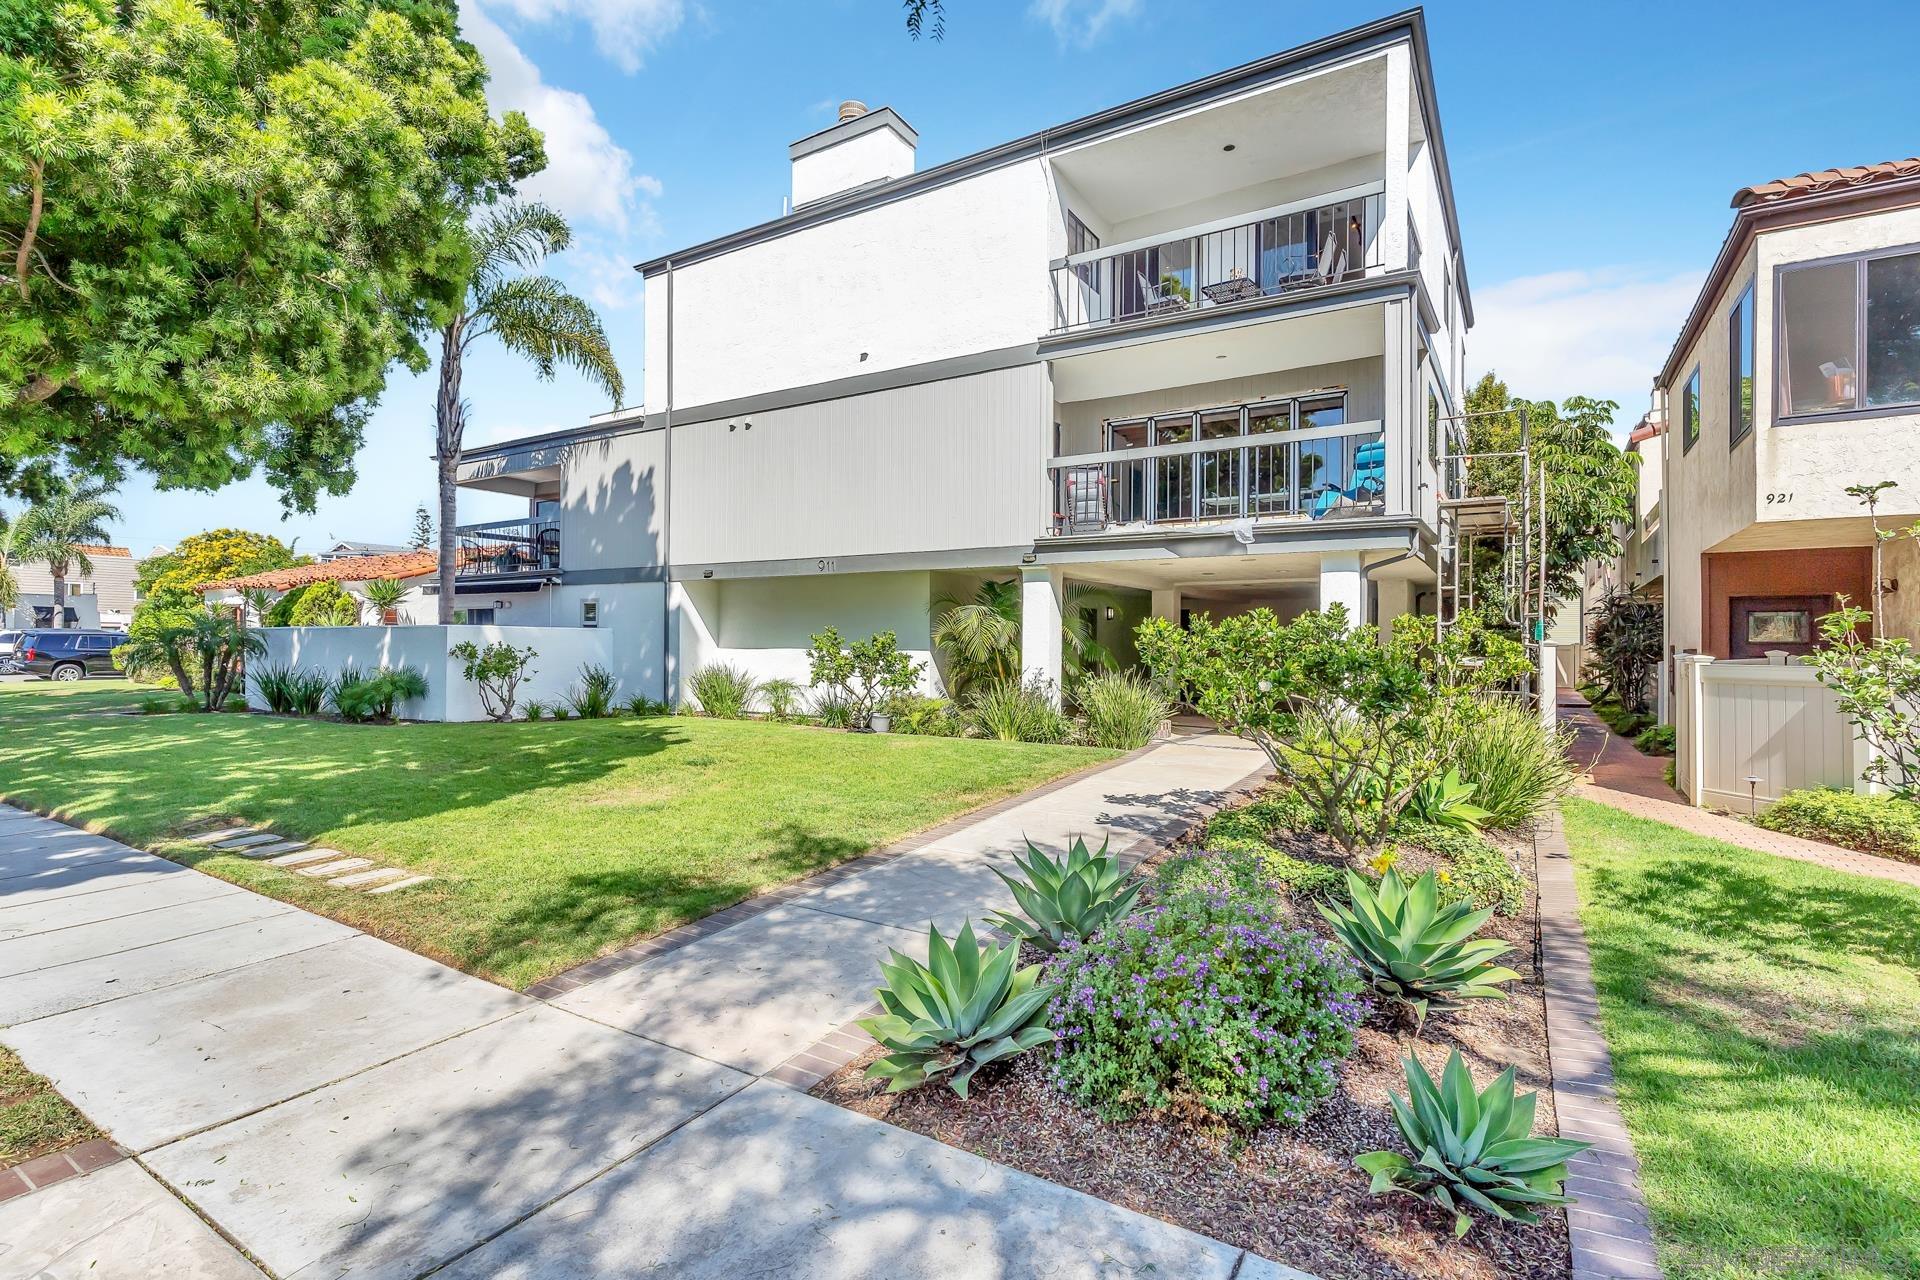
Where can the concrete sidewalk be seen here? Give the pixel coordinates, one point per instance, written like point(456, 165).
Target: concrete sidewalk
point(337, 1106)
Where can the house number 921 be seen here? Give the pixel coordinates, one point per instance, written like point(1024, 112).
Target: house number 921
point(1776, 498)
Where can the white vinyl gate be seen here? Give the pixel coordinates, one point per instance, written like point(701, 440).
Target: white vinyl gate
point(1747, 731)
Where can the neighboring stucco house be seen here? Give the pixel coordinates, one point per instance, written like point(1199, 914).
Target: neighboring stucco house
point(1194, 349)
point(418, 570)
point(103, 596)
point(1797, 374)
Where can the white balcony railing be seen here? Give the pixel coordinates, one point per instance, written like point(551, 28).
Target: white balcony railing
point(1305, 249)
point(1313, 473)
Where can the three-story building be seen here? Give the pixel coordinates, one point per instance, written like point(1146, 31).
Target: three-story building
point(1195, 349)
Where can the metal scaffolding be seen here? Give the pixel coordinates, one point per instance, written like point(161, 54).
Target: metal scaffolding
point(1472, 524)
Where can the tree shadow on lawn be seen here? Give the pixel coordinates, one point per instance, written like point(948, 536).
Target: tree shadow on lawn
point(610, 909)
point(307, 779)
point(1716, 899)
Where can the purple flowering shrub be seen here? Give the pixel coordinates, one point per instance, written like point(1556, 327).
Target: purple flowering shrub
point(1203, 998)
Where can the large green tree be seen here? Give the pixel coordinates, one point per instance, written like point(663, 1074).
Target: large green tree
point(221, 221)
point(1591, 482)
point(529, 314)
point(60, 528)
point(169, 583)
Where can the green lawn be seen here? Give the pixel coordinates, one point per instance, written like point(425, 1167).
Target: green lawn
point(1764, 1017)
point(34, 1120)
point(550, 842)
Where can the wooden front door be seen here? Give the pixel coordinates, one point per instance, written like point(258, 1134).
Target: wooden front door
point(1787, 623)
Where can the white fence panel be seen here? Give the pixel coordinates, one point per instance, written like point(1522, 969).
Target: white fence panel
point(1748, 731)
point(561, 653)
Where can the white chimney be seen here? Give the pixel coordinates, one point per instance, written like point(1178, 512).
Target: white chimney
point(861, 148)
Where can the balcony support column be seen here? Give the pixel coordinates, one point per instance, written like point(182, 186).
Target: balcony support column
point(1040, 642)
point(1393, 211)
point(1166, 604)
point(1341, 583)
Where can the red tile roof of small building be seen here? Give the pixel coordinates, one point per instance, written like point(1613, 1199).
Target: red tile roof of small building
point(1807, 184)
point(405, 564)
point(104, 551)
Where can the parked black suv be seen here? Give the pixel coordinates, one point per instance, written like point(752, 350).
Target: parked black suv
point(67, 655)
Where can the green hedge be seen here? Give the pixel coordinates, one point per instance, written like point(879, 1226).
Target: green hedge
point(1872, 824)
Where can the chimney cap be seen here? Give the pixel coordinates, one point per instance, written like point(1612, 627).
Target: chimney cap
point(852, 109)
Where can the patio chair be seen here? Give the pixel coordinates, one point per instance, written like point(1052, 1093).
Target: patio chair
point(1086, 499)
point(1158, 298)
point(1369, 481)
point(549, 548)
point(1325, 269)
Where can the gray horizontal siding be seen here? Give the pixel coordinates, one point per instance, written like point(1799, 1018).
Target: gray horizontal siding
point(932, 467)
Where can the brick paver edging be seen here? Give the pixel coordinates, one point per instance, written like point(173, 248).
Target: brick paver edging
point(44, 1171)
point(1608, 1224)
point(837, 1048)
point(705, 927)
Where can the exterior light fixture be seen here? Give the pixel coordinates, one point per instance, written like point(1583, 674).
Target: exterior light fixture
point(1028, 558)
point(1228, 147)
point(1112, 613)
point(706, 573)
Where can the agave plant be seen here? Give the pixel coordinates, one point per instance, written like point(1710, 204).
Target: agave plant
point(1414, 950)
point(1447, 801)
point(967, 1006)
point(1471, 1149)
point(1070, 897)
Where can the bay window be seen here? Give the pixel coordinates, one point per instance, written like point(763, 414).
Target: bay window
point(1850, 334)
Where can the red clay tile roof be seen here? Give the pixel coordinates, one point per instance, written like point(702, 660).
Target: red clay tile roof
point(1645, 430)
point(1807, 184)
point(106, 551)
point(405, 564)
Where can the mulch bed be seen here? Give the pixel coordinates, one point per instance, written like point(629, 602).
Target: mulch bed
point(1292, 1195)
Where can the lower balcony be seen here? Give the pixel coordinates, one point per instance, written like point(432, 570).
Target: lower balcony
point(1218, 467)
point(506, 549)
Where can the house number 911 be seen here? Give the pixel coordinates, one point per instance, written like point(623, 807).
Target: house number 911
point(828, 566)
point(1774, 498)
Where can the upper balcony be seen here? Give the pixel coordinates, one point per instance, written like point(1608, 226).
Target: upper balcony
point(507, 549)
point(1291, 249)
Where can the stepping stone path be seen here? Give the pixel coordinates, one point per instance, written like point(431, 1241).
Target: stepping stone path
point(336, 868)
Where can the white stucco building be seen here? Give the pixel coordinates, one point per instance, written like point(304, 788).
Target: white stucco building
point(1193, 348)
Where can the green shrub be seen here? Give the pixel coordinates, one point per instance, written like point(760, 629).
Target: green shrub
point(324, 604)
point(1516, 767)
point(533, 710)
point(925, 717)
point(722, 690)
point(1060, 898)
point(1415, 949)
point(864, 674)
point(967, 1006)
point(1471, 1148)
point(1206, 999)
point(1476, 871)
point(1872, 824)
point(782, 698)
point(155, 705)
point(272, 685)
point(641, 705)
point(496, 670)
point(832, 710)
point(592, 698)
point(1011, 711)
point(561, 711)
point(1627, 724)
point(280, 612)
point(1447, 801)
point(1123, 709)
point(1250, 867)
point(362, 696)
point(1657, 741)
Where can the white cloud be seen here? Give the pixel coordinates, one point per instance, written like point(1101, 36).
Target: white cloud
point(625, 30)
point(605, 276)
point(1081, 21)
point(1601, 333)
point(589, 177)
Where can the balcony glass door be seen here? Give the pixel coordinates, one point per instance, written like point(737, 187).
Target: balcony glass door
point(1174, 477)
point(1218, 478)
point(1269, 491)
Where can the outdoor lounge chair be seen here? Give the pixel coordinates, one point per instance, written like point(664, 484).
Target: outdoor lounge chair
point(1158, 298)
point(1086, 499)
point(1369, 480)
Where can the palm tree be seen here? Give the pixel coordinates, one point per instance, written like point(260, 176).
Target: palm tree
point(60, 527)
point(980, 636)
point(206, 652)
point(531, 315)
point(9, 587)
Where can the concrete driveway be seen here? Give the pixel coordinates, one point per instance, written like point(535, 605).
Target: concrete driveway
point(336, 1106)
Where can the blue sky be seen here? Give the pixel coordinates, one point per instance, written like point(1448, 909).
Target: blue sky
point(1594, 149)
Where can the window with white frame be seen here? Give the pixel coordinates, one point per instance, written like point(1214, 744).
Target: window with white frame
point(1849, 334)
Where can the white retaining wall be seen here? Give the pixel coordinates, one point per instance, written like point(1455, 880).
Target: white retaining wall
point(1772, 721)
point(450, 696)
